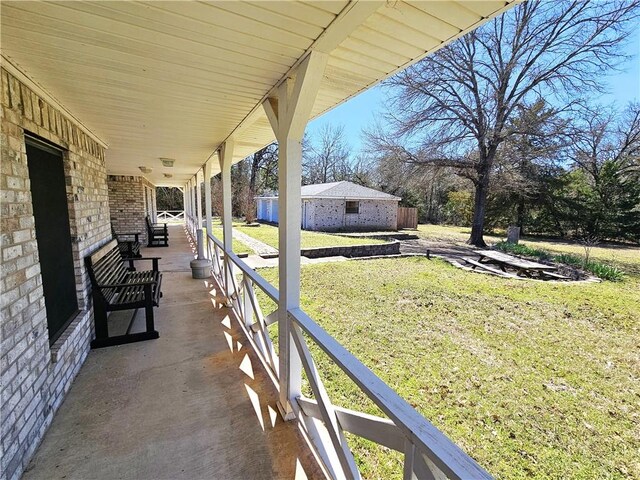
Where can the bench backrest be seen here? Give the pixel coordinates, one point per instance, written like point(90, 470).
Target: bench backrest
point(106, 266)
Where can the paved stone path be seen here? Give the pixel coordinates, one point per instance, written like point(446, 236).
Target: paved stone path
point(257, 246)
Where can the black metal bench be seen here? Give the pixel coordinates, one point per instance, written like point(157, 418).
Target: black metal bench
point(116, 287)
point(129, 248)
point(157, 233)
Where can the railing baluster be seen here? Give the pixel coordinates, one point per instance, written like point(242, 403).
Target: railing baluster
point(347, 462)
point(270, 353)
point(246, 299)
point(409, 454)
point(428, 454)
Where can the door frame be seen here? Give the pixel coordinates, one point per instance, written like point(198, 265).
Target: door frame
point(38, 142)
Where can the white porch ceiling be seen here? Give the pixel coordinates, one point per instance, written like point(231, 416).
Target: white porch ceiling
point(175, 79)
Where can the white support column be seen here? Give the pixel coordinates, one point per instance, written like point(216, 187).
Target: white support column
point(193, 204)
point(207, 196)
point(198, 201)
point(185, 208)
point(190, 202)
point(226, 159)
point(187, 204)
point(288, 114)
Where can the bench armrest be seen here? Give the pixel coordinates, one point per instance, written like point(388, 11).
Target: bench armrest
point(153, 259)
point(129, 234)
point(122, 285)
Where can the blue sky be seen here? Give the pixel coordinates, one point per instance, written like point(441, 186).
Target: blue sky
point(361, 111)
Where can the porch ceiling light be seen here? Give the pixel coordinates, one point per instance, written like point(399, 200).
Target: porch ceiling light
point(167, 162)
point(144, 169)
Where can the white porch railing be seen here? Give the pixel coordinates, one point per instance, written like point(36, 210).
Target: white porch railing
point(428, 453)
point(171, 216)
point(191, 224)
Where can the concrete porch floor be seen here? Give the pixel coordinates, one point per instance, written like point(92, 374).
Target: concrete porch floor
point(194, 404)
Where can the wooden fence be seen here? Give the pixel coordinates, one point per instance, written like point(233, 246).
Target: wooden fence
point(407, 217)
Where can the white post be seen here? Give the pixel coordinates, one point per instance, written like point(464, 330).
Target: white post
point(207, 196)
point(191, 205)
point(185, 208)
point(187, 203)
point(226, 159)
point(198, 201)
point(288, 114)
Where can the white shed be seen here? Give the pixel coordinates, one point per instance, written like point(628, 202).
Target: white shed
point(338, 206)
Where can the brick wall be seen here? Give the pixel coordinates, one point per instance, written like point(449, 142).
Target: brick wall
point(329, 215)
point(36, 376)
point(131, 199)
point(390, 248)
point(127, 205)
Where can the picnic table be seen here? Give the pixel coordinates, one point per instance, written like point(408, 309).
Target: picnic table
point(523, 268)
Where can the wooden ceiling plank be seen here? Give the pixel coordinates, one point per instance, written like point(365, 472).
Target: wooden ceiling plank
point(309, 30)
point(298, 10)
point(95, 32)
point(450, 12)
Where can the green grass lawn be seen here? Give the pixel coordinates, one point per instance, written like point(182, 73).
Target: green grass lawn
point(238, 246)
point(532, 379)
point(269, 234)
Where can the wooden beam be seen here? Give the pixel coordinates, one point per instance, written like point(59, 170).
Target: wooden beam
point(350, 18)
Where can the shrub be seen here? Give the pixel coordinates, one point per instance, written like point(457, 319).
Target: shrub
point(570, 259)
point(605, 272)
point(521, 249)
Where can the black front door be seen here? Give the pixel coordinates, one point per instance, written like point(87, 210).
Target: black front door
point(49, 197)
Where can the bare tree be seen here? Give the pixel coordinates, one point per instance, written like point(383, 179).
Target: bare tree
point(605, 148)
point(263, 174)
point(456, 105)
point(602, 136)
point(327, 160)
point(264, 169)
point(169, 198)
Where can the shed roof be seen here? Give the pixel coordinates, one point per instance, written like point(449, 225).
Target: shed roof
point(176, 79)
point(347, 190)
point(343, 190)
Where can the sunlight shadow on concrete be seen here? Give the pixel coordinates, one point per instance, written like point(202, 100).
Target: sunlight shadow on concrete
point(255, 402)
point(229, 340)
point(300, 473)
point(273, 416)
point(246, 366)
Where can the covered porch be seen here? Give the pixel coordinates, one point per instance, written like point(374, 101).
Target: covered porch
point(181, 91)
point(193, 404)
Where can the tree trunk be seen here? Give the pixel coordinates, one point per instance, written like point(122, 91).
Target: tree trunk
point(520, 215)
point(479, 207)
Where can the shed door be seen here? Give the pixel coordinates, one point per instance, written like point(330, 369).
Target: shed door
point(274, 211)
point(49, 198)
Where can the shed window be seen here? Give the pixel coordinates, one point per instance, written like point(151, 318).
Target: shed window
point(352, 207)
